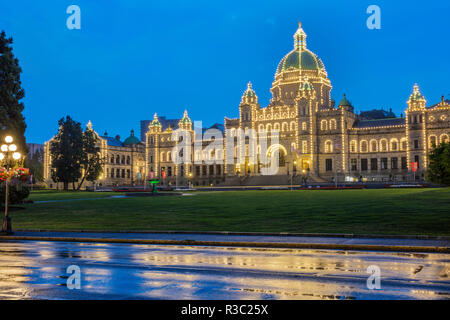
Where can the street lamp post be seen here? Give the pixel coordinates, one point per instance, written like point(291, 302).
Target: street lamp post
point(8, 155)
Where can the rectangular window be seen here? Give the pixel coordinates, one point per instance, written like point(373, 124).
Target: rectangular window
point(404, 163)
point(394, 163)
point(197, 171)
point(123, 173)
point(169, 171)
point(353, 164)
point(328, 164)
point(204, 170)
point(218, 170)
point(416, 144)
point(151, 159)
point(112, 173)
point(384, 163)
point(416, 159)
point(211, 170)
point(118, 173)
point(162, 169)
point(128, 173)
point(374, 164)
point(364, 165)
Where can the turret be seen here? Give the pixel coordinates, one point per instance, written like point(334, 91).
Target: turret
point(346, 104)
point(155, 125)
point(185, 122)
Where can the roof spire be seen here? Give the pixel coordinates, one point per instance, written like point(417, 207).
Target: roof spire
point(300, 38)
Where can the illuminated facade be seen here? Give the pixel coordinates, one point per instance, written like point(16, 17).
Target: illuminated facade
point(316, 139)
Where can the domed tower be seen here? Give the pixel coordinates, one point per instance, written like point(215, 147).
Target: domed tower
point(155, 125)
point(185, 122)
point(292, 69)
point(247, 107)
point(416, 130)
point(131, 140)
point(345, 104)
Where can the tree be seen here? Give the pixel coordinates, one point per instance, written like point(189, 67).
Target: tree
point(12, 121)
point(36, 166)
point(439, 167)
point(91, 163)
point(66, 150)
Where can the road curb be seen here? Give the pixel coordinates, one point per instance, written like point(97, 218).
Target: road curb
point(357, 247)
point(234, 233)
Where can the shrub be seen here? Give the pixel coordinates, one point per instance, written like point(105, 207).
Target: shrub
point(17, 193)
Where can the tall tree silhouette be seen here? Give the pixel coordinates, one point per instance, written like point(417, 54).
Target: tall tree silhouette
point(12, 121)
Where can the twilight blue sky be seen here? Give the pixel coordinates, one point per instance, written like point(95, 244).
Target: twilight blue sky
point(133, 58)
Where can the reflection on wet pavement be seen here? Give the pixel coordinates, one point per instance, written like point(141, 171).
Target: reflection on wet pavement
point(37, 270)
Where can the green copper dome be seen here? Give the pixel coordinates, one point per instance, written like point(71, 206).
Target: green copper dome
point(416, 95)
point(185, 119)
point(249, 92)
point(345, 102)
point(155, 122)
point(131, 139)
point(300, 59)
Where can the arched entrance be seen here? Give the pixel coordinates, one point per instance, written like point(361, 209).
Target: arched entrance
point(279, 151)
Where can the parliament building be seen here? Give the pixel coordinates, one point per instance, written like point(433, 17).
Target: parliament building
point(317, 139)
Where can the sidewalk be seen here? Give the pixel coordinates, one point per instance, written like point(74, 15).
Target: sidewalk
point(286, 241)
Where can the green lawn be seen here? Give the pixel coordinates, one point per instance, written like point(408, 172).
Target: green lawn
point(407, 211)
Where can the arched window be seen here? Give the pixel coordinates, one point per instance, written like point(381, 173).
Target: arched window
point(353, 146)
point(394, 144)
point(123, 159)
point(323, 125)
point(276, 126)
point(118, 159)
point(384, 145)
point(304, 126)
point(233, 132)
point(261, 128)
point(112, 158)
point(162, 157)
point(333, 124)
point(403, 144)
point(169, 156)
point(128, 160)
point(304, 146)
point(363, 146)
point(328, 146)
point(433, 142)
point(292, 125)
point(284, 126)
point(269, 127)
point(373, 146)
point(443, 138)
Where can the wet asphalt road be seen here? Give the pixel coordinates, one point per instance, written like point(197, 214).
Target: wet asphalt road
point(37, 270)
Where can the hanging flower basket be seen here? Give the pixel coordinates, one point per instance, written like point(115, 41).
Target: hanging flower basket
point(4, 174)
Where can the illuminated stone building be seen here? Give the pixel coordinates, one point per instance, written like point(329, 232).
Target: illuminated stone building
point(328, 142)
point(316, 138)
